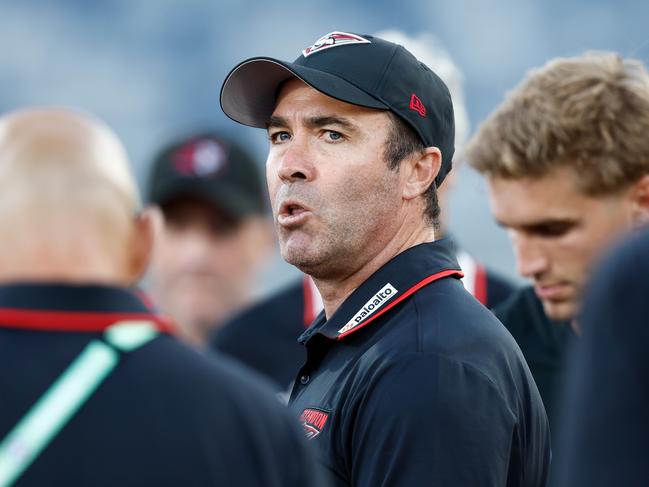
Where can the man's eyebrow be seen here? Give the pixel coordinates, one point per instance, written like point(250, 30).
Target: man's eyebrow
point(275, 121)
point(321, 121)
point(539, 224)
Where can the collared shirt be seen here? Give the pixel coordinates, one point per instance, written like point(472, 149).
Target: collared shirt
point(165, 415)
point(264, 336)
point(413, 382)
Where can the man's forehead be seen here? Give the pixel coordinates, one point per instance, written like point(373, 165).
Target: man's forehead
point(295, 95)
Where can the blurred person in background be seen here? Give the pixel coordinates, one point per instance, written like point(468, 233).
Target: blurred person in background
point(264, 336)
point(215, 238)
point(95, 389)
point(606, 399)
point(566, 157)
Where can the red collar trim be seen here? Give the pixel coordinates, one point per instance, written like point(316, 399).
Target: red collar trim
point(409, 292)
point(72, 321)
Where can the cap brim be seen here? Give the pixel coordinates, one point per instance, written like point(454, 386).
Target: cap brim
point(249, 92)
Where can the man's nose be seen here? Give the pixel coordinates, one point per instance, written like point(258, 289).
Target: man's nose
point(296, 163)
point(531, 259)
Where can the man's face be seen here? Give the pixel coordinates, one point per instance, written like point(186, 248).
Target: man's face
point(557, 233)
point(335, 201)
point(203, 265)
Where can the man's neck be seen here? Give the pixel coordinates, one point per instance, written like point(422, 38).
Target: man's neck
point(335, 291)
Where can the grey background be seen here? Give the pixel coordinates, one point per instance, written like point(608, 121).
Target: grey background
point(152, 69)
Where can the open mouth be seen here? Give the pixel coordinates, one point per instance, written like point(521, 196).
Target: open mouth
point(295, 209)
point(292, 213)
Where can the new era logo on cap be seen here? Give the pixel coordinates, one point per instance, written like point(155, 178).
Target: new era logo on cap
point(334, 39)
point(417, 105)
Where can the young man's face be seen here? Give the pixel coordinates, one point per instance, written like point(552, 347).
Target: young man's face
point(557, 233)
point(334, 198)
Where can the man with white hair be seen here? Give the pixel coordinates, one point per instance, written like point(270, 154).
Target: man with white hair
point(95, 389)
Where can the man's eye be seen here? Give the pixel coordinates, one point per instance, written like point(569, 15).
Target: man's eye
point(278, 137)
point(551, 230)
point(333, 135)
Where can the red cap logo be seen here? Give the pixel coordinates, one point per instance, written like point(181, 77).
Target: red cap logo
point(334, 39)
point(417, 105)
point(199, 158)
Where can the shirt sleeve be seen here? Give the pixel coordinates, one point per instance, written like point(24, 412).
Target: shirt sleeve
point(428, 420)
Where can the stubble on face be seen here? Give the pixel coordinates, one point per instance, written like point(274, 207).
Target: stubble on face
point(342, 236)
point(351, 194)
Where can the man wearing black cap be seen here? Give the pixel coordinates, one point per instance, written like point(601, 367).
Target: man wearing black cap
point(408, 380)
point(215, 236)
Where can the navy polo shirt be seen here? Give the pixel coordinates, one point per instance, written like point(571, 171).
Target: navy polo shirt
point(413, 382)
point(165, 415)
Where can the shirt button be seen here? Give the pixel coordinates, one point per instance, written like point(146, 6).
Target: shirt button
point(304, 380)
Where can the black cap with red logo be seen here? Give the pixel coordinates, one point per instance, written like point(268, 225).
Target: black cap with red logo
point(209, 168)
point(358, 69)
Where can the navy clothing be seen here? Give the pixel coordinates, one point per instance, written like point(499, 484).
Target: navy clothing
point(606, 401)
point(165, 416)
point(544, 343)
point(413, 382)
point(264, 336)
point(498, 289)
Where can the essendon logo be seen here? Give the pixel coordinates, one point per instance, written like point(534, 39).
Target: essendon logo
point(417, 105)
point(313, 422)
point(379, 299)
point(334, 39)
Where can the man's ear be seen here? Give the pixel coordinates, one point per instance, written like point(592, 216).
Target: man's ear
point(420, 172)
point(142, 240)
point(640, 202)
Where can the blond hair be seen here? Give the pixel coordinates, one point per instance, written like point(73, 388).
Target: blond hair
point(589, 113)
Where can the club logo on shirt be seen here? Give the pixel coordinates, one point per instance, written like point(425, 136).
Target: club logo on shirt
point(379, 299)
point(313, 422)
point(334, 39)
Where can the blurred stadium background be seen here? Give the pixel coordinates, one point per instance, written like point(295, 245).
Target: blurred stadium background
point(152, 69)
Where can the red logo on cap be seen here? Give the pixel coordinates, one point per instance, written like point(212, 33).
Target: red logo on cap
point(199, 158)
point(417, 105)
point(334, 39)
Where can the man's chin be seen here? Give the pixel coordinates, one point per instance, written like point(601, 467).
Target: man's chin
point(559, 310)
point(300, 256)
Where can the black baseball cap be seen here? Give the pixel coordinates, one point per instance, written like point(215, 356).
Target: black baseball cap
point(209, 168)
point(358, 69)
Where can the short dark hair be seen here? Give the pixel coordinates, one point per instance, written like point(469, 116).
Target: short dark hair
point(402, 142)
